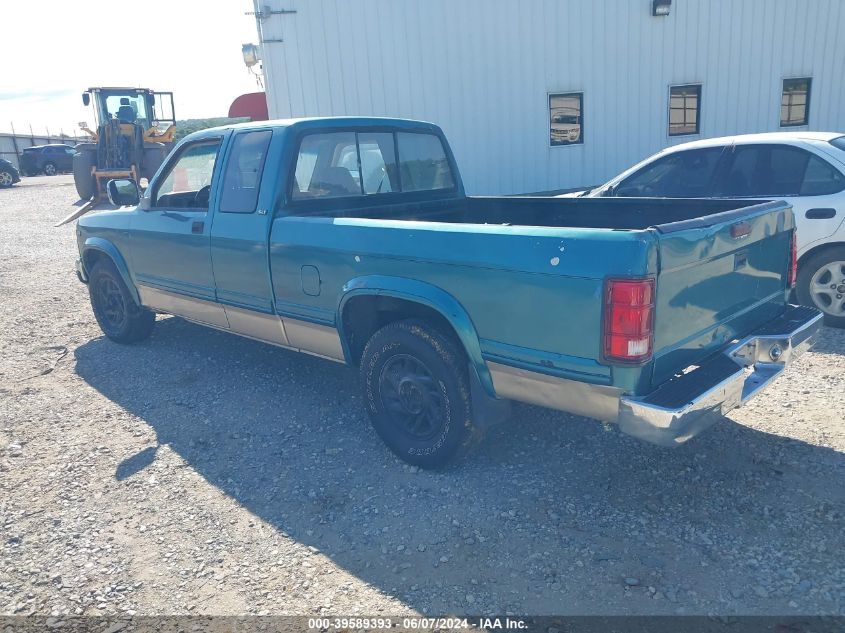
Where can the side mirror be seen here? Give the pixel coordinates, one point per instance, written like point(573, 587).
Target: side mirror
point(86, 99)
point(123, 192)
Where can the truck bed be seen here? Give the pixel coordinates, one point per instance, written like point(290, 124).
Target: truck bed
point(597, 213)
point(530, 271)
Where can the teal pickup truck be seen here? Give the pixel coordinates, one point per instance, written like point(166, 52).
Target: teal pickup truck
point(352, 239)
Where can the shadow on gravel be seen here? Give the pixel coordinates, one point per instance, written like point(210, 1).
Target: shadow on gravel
point(832, 341)
point(136, 463)
point(550, 514)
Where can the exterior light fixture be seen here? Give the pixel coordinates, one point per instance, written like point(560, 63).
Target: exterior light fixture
point(660, 8)
point(251, 54)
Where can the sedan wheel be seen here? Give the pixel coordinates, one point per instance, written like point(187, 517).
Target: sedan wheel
point(827, 288)
point(821, 283)
point(6, 179)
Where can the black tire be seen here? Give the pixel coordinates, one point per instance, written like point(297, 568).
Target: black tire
point(417, 393)
point(823, 263)
point(7, 179)
point(50, 169)
point(83, 161)
point(120, 318)
point(154, 155)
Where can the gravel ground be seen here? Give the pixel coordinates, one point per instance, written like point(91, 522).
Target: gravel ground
point(200, 472)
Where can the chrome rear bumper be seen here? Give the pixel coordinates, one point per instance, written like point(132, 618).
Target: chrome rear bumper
point(686, 405)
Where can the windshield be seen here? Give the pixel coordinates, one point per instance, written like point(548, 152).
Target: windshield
point(126, 107)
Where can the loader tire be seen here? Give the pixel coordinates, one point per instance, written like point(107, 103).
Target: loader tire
point(83, 161)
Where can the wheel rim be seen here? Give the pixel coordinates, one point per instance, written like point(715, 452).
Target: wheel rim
point(111, 305)
point(827, 287)
point(5, 179)
point(50, 170)
point(412, 396)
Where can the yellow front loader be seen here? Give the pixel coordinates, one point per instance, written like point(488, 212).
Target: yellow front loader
point(133, 133)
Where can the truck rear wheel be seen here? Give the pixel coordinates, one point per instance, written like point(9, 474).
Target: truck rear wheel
point(417, 393)
point(120, 318)
point(821, 284)
point(83, 161)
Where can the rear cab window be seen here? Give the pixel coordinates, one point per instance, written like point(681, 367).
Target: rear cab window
point(364, 164)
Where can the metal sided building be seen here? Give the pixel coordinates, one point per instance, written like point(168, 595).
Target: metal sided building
point(539, 95)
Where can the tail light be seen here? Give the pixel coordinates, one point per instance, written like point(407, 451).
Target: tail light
point(792, 275)
point(628, 320)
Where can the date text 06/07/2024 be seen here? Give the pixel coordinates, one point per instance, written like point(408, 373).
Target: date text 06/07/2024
point(418, 623)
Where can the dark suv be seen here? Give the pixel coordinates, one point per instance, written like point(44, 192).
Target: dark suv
point(8, 174)
point(47, 159)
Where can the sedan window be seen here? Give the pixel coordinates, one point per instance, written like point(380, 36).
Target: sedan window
point(821, 178)
point(684, 174)
point(785, 171)
point(778, 170)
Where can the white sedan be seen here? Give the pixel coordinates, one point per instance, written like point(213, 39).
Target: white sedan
point(805, 168)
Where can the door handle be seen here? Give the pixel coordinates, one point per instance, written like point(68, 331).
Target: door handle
point(197, 227)
point(822, 213)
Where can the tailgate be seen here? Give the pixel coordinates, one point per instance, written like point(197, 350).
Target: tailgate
point(719, 277)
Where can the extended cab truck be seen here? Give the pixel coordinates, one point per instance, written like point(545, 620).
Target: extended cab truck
point(352, 239)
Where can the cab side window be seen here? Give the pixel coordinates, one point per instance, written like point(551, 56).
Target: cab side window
point(244, 166)
point(187, 184)
point(422, 163)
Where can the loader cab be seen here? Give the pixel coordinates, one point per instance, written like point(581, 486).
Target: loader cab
point(134, 106)
point(133, 132)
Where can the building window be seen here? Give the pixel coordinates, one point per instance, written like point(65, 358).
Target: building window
point(566, 118)
point(795, 102)
point(684, 109)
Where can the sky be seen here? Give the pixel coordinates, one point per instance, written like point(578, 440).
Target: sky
point(55, 49)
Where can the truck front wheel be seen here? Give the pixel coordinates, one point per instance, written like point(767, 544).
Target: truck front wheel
point(821, 284)
point(417, 393)
point(120, 318)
